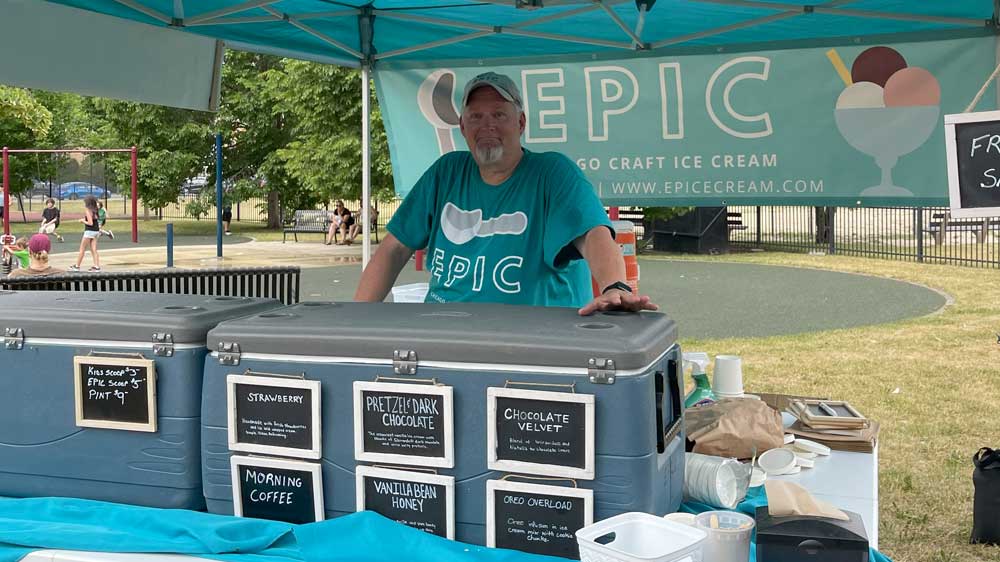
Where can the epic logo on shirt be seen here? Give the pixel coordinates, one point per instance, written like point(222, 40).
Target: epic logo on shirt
point(460, 227)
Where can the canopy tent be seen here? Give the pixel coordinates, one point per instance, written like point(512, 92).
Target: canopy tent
point(368, 35)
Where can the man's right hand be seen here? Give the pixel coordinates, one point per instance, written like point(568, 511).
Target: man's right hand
point(383, 270)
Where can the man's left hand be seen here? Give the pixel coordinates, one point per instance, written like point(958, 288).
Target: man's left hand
point(618, 300)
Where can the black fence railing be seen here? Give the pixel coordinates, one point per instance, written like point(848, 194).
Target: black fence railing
point(279, 282)
point(922, 234)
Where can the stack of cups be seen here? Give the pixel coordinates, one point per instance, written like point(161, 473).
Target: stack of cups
point(715, 481)
point(728, 379)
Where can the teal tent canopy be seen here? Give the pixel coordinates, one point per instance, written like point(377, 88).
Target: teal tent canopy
point(357, 32)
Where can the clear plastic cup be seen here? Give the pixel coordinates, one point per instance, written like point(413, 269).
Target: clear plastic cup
point(729, 535)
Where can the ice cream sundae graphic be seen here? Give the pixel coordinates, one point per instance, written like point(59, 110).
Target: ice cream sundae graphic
point(887, 110)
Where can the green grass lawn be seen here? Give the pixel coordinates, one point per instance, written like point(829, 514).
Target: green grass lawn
point(933, 382)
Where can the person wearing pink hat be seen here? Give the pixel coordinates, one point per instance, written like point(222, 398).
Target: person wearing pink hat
point(39, 247)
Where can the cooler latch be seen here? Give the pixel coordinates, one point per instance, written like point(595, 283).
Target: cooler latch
point(404, 362)
point(229, 353)
point(13, 338)
point(601, 371)
point(163, 344)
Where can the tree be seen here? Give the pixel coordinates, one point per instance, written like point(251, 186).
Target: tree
point(23, 122)
point(174, 144)
point(324, 106)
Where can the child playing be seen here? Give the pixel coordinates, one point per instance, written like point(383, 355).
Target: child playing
point(17, 251)
point(102, 217)
point(50, 219)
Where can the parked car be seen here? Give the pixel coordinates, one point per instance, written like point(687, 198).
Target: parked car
point(78, 189)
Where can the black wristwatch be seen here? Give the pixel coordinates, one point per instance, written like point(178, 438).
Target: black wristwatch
point(620, 285)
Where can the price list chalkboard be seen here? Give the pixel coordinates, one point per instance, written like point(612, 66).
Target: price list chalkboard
point(536, 518)
point(973, 145)
point(115, 392)
point(536, 432)
point(404, 424)
point(422, 501)
point(276, 489)
point(274, 415)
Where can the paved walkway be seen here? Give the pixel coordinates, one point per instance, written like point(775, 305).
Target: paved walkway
point(708, 299)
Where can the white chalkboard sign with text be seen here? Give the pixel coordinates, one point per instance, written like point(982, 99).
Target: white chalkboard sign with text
point(402, 423)
point(972, 141)
point(422, 501)
point(277, 489)
point(115, 392)
point(540, 432)
point(274, 416)
point(537, 518)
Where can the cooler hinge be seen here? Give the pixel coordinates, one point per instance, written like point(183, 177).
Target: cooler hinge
point(601, 371)
point(404, 362)
point(163, 344)
point(13, 338)
point(229, 353)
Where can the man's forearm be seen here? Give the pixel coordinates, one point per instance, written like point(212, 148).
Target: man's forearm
point(603, 255)
point(382, 271)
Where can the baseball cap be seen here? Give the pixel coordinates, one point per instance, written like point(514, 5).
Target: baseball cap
point(39, 243)
point(499, 82)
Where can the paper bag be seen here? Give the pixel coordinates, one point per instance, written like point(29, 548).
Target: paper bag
point(732, 428)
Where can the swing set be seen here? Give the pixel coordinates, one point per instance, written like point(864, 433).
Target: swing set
point(53, 153)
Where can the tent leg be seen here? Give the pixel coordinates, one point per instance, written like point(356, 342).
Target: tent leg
point(366, 188)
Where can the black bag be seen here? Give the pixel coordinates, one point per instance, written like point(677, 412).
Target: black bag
point(986, 503)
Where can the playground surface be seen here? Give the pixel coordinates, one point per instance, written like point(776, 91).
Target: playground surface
point(708, 299)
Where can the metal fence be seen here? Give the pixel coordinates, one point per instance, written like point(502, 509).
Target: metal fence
point(255, 210)
point(922, 234)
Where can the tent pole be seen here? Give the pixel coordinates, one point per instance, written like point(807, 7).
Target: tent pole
point(366, 188)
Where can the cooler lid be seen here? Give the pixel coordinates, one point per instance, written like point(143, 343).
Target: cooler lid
point(460, 332)
point(107, 316)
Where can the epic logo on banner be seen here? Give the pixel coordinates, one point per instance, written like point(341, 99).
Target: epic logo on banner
point(805, 126)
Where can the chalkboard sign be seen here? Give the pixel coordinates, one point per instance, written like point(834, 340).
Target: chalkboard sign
point(115, 392)
point(403, 423)
point(277, 489)
point(536, 518)
point(973, 144)
point(422, 501)
point(274, 415)
point(537, 432)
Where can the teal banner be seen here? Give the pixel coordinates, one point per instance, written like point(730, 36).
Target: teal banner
point(849, 125)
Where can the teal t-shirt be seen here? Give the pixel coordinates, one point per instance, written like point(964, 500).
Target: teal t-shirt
point(509, 243)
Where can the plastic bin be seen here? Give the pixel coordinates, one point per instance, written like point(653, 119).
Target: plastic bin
point(639, 537)
point(414, 292)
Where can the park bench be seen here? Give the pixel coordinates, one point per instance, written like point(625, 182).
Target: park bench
point(307, 221)
point(277, 282)
point(734, 220)
point(943, 222)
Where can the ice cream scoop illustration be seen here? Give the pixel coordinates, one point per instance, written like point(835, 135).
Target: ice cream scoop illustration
point(887, 110)
point(461, 226)
point(435, 97)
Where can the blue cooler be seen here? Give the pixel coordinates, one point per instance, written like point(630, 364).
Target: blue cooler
point(43, 452)
point(629, 362)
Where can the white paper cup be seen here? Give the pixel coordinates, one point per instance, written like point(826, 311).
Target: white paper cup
point(728, 378)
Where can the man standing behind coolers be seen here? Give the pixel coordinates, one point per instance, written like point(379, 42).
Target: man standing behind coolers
point(502, 223)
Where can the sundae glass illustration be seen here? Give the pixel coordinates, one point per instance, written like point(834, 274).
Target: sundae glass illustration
point(887, 110)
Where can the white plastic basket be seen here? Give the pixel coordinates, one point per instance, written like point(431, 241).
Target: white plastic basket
point(639, 537)
point(414, 292)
